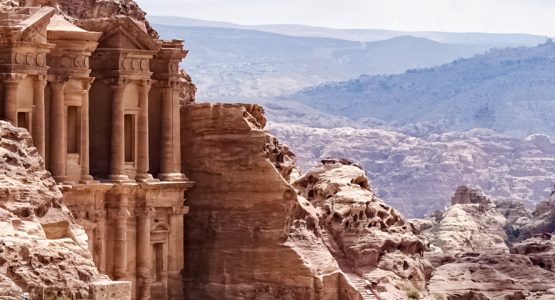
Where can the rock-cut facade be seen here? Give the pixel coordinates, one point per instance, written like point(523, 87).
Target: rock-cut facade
point(100, 97)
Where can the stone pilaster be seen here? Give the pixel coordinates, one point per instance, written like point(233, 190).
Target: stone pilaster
point(39, 125)
point(120, 241)
point(58, 133)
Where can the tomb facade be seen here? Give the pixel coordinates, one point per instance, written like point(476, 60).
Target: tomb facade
point(101, 97)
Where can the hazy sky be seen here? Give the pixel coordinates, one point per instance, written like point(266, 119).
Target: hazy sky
point(527, 16)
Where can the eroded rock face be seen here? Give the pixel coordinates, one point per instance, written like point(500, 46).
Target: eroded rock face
point(542, 219)
point(366, 236)
point(489, 275)
point(474, 251)
point(43, 252)
point(472, 223)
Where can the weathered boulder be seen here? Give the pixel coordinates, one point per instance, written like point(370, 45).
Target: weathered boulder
point(43, 253)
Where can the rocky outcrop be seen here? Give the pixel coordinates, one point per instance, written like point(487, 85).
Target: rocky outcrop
point(472, 223)
point(366, 236)
point(43, 253)
point(473, 247)
point(490, 276)
point(527, 272)
point(89, 9)
point(542, 219)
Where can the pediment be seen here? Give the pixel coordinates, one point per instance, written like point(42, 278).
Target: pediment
point(121, 33)
point(123, 40)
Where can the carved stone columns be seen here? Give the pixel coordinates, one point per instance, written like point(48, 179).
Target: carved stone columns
point(38, 128)
point(120, 241)
point(175, 252)
point(143, 248)
point(117, 150)
point(99, 251)
point(142, 153)
point(58, 133)
point(11, 83)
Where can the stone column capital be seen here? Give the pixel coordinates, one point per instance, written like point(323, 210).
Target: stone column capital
point(12, 78)
point(40, 79)
point(146, 83)
point(87, 82)
point(180, 210)
point(145, 213)
point(117, 83)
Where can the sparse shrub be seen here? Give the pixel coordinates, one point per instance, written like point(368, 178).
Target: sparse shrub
point(413, 294)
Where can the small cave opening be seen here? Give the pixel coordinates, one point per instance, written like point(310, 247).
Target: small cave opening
point(361, 181)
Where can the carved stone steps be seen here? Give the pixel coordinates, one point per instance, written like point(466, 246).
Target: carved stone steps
point(363, 287)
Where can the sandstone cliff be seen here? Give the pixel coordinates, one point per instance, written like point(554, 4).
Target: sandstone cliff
point(43, 253)
point(237, 241)
point(257, 231)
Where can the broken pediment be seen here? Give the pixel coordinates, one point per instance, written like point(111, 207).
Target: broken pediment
point(25, 25)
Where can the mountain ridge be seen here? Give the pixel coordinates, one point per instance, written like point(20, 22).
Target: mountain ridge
point(361, 34)
point(507, 90)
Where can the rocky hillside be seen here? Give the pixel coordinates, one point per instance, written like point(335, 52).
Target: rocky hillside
point(43, 253)
point(506, 90)
point(252, 63)
point(417, 175)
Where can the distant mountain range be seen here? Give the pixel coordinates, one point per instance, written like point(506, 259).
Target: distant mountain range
point(237, 62)
point(510, 91)
point(365, 35)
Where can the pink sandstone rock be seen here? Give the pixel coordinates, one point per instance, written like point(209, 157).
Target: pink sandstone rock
point(43, 253)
